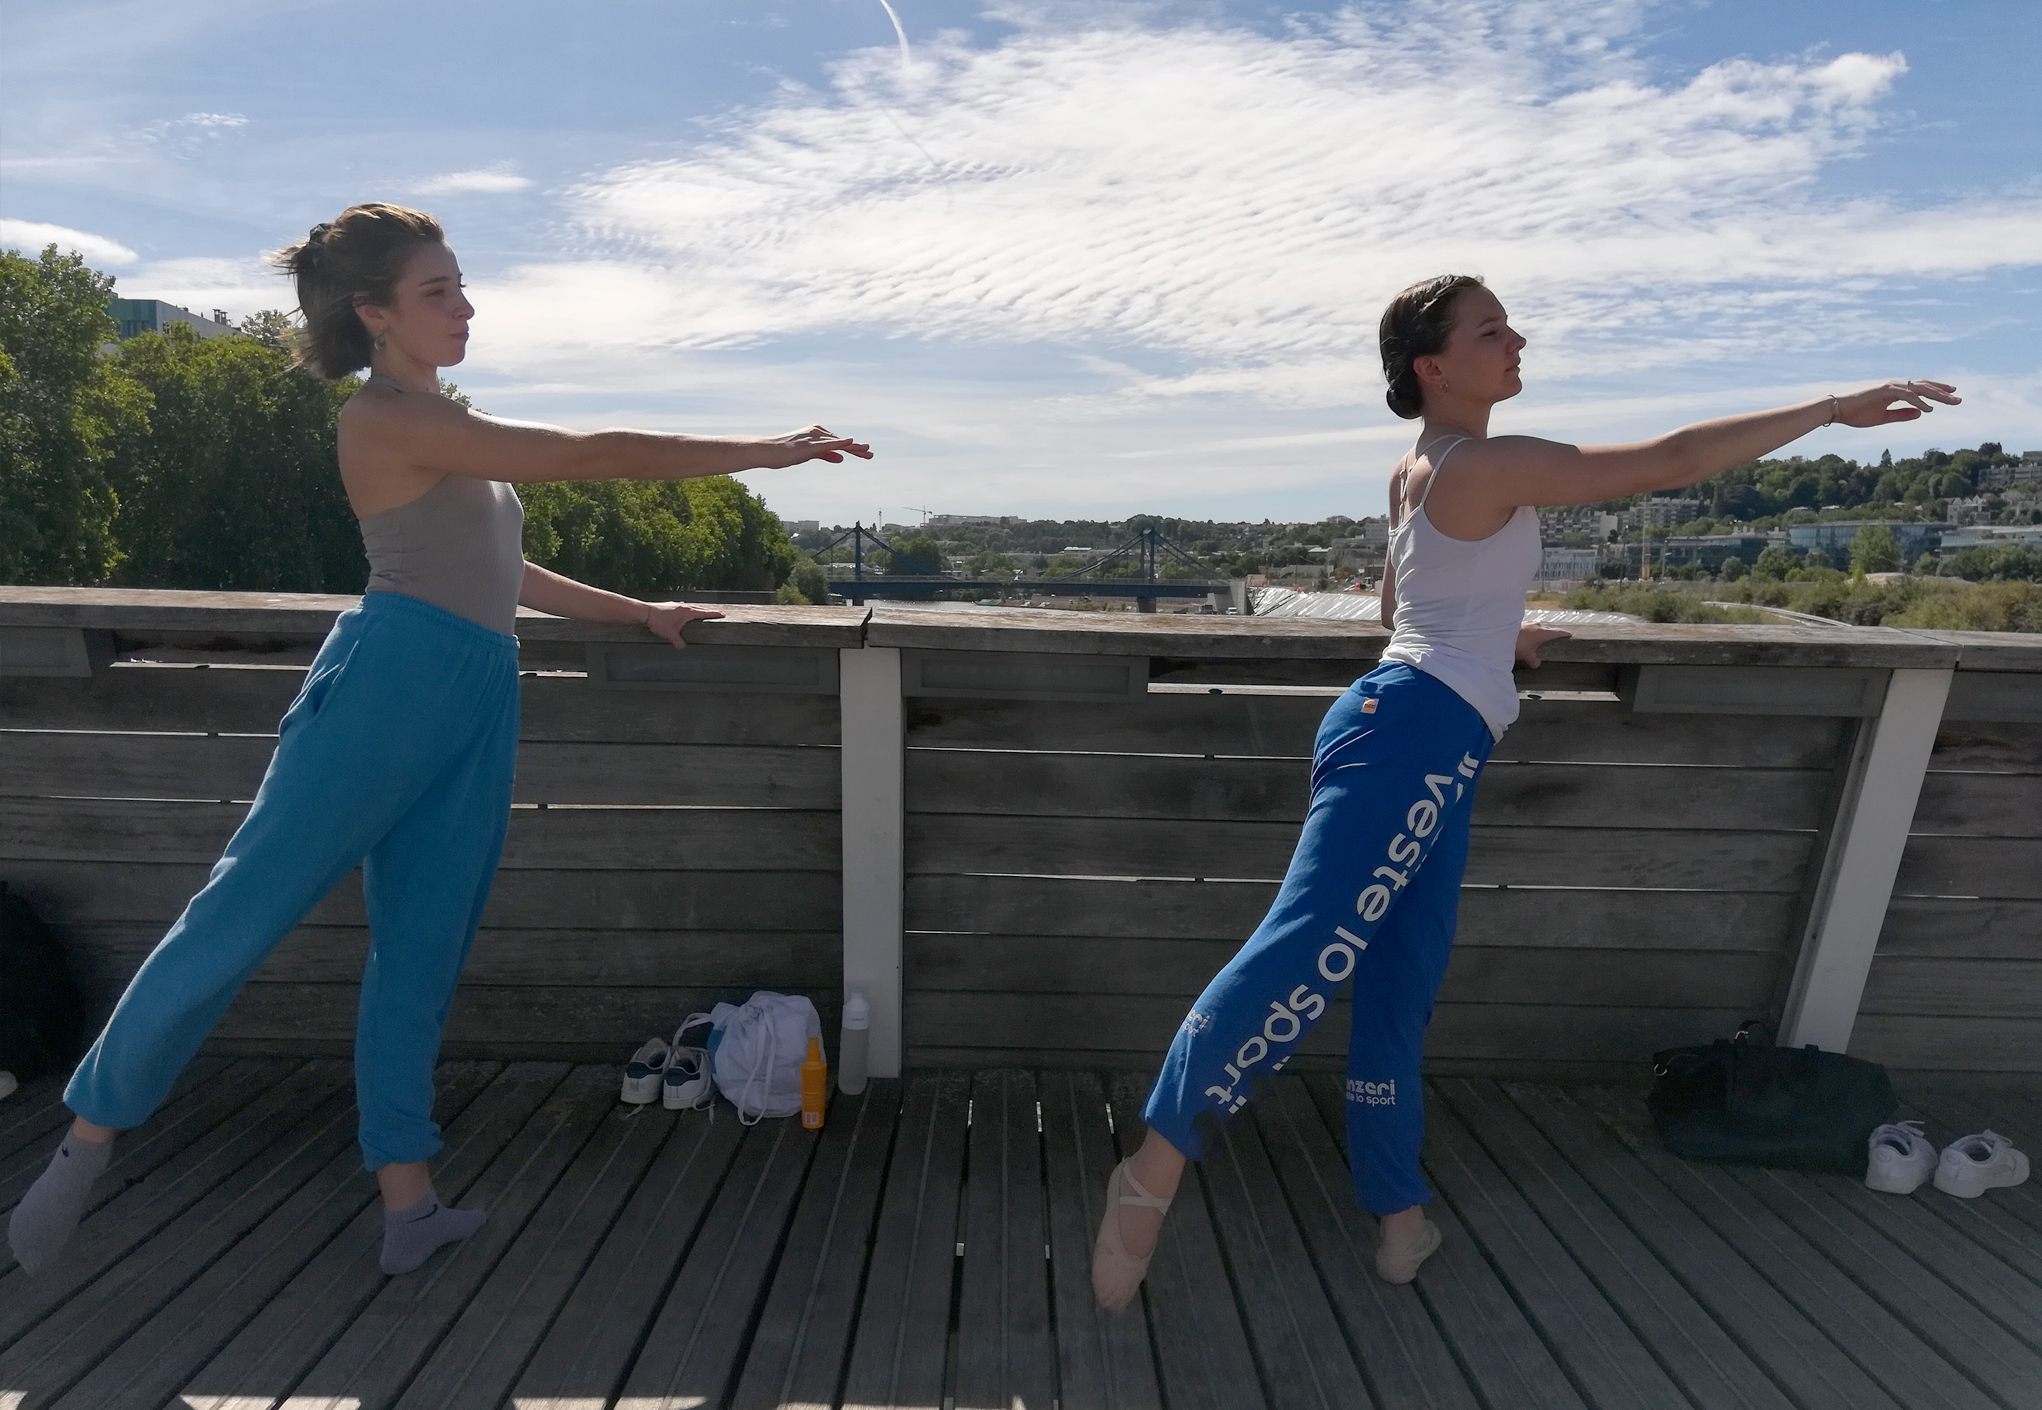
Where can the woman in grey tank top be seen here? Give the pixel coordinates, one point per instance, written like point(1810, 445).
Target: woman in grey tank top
point(397, 754)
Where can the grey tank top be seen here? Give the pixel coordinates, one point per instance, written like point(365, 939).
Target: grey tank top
point(459, 546)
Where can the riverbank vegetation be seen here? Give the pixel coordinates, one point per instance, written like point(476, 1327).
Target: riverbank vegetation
point(1948, 604)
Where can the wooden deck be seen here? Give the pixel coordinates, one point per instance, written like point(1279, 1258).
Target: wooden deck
point(930, 1249)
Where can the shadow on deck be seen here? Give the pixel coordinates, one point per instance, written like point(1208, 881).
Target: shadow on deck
point(931, 1249)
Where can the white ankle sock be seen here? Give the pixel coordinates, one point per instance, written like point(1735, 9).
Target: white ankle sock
point(411, 1235)
point(44, 1220)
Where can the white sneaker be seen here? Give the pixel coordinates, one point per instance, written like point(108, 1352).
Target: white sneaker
point(643, 1074)
point(1971, 1165)
point(1900, 1159)
point(687, 1086)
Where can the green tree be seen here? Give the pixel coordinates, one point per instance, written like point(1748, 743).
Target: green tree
point(653, 537)
point(233, 484)
point(62, 408)
point(1732, 569)
point(1875, 550)
point(808, 583)
point(915, 554)
point(1775, 561)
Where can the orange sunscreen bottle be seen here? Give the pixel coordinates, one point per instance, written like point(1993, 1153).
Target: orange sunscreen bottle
point(815, 1086)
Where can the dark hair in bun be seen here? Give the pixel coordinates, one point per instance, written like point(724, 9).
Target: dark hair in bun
point(1414, 325)
point(355, 258)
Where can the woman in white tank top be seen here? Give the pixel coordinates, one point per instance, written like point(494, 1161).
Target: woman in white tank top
point(1374, 886)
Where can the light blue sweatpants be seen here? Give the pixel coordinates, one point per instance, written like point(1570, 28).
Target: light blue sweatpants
point(1371, 897)
point(396, 756)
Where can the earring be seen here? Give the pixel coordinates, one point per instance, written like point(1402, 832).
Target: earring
point(376, 342)
point(1444, 385)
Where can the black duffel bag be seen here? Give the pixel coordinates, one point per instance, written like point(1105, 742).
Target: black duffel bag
point(1747, 1102)
point(42, 1015)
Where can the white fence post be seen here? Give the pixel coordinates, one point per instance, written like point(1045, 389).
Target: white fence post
point(1869, 835)
point(874, 752)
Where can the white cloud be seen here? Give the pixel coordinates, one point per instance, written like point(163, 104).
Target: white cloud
point(239, 286)
point(1201, 224)
point(1246, 202)
point(31, 236)
point(491, 181)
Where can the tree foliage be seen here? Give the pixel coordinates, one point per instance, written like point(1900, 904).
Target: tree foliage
point(916, 553)
point(233, 483)
point(1999, 562)
point(62, 410)
point(1774, 561)
point(1875, 550)
point(186, 462)
point(657, 537)
point(1768, 488)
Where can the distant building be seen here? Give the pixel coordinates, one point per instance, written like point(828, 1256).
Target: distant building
point(802, 526)
point(1991, 536)
point(944, 520)
point(138, 316)
point(1712, 551)
point(1367, 547)
point(1568, 521)
point(1574, 565)
point(1959, 512)
point(2027, 471)
point(1662, 514)
point(1835, 538)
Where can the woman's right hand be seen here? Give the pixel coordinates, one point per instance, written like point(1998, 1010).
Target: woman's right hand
point(1874, 406)
point(669, 619)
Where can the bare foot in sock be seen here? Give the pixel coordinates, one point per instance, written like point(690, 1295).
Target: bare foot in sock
point(42, 1223)
point(411, 1235)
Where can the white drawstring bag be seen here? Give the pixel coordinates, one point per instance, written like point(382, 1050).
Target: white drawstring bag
point(756, 1050)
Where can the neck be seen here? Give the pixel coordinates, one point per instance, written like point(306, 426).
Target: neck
point(406, 372)
point(1447, 412)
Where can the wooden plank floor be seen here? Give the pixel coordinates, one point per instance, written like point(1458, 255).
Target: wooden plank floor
point(930, 1249)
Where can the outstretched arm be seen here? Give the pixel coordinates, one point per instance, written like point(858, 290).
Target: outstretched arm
point(432, 435)
point(1490, 478)
point(548, 591)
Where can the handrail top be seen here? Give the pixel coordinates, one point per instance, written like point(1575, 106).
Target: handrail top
point(1304, 638)
point(310, 615)
point(257, 615)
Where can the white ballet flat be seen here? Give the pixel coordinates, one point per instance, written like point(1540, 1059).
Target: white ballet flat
point(1400, 1265)
point(1117, 1274)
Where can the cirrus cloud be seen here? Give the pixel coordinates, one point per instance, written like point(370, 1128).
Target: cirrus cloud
point(488, 181)
point(1243, 202)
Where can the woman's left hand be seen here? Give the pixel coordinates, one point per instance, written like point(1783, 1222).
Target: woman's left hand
point(1530, 639)
point(668, 619)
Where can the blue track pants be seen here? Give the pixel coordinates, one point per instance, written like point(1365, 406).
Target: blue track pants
point(1371, 896)
point(396, 756)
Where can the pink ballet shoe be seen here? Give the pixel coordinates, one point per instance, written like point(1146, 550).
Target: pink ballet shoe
point(1117, 1274)
point(1399, 1264)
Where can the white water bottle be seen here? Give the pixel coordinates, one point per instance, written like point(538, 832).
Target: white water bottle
point(856, 1045)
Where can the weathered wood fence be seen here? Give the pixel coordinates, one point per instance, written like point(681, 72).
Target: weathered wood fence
point(1030, 838)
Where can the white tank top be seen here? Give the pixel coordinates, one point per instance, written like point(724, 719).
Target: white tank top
point(1460, 603)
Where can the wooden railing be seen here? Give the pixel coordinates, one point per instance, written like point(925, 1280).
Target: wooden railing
point(1031, 837)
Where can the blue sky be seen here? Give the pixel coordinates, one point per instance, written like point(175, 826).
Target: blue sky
point(1089, 259)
